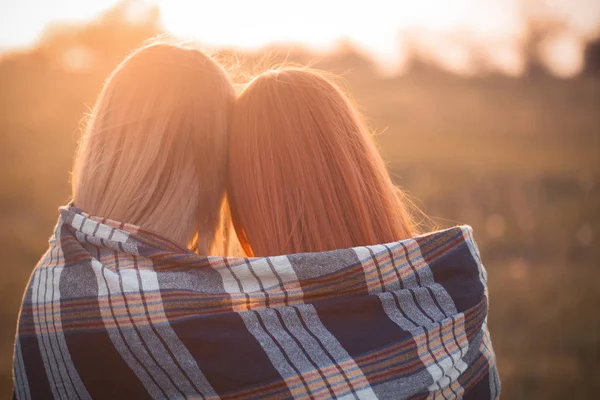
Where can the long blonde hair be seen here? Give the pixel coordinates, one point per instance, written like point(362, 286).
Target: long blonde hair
point(304, 173)
point(155, 148)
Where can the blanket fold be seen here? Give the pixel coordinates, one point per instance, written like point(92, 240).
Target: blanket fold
point(114, 311)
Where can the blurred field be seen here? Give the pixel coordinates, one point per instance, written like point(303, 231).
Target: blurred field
point(518, 159)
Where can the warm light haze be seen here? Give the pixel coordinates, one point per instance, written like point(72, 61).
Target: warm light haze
point(445, 30)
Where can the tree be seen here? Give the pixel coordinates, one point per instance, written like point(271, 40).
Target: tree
point(591, 57)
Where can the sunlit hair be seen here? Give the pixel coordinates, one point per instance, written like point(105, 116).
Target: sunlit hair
point(304, 173)
point(154, 151)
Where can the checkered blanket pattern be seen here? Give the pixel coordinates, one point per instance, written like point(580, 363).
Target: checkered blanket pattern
point(114, 311)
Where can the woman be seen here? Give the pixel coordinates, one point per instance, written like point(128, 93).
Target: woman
point(305, 177)
point(148, 179)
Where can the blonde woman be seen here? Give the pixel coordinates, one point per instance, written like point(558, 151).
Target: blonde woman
point(148, 176)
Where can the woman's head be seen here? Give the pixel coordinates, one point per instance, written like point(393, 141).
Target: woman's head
point(304, 173)
point(155, 148)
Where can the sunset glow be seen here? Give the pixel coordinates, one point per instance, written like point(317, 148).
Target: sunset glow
point(447, 31)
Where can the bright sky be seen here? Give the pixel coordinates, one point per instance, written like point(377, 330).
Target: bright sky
point(443, 26)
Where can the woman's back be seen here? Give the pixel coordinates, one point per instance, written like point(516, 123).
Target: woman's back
point(405, 315)
point(150, 164)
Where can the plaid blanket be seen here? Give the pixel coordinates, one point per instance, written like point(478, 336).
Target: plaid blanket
point(113, 311)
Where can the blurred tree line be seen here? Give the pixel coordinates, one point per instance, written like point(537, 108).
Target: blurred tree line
point(516, 158)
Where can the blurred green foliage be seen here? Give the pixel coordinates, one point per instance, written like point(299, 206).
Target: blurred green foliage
point(515, 158)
